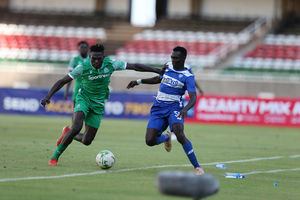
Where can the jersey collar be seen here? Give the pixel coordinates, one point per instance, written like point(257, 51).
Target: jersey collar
point(186, 67)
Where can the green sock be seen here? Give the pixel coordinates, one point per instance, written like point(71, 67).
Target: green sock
point(60, 149)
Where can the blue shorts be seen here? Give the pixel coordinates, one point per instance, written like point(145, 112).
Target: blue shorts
point(164, 115)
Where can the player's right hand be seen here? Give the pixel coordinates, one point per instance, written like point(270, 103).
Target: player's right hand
point(201, 92)
point(132, 84)
point(182, 114)
point(45, 101)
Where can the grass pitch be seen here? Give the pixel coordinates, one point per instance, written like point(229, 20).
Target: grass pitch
point(27, 143)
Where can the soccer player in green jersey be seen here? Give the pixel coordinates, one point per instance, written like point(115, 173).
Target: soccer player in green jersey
point(90, 100)
point(83, 48)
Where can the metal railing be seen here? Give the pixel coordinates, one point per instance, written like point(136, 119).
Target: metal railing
point(243, 37)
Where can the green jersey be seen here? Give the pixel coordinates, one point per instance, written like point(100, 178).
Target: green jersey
point(72, 65)
point(94, 83)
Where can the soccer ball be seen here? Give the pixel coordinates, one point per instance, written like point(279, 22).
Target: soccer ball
point(105, 159)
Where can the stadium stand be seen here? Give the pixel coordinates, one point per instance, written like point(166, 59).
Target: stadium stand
point(44, 43)
point(117, 29)
point(57, 35)
point(48, 19)
point(206, 38)
point(290, 25)
point(280, 53)
point(153, 46)
point(205, 24)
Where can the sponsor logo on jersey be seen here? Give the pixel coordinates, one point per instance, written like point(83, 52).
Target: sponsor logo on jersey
point(169, 81)
point(172, 82)
point(98, 76)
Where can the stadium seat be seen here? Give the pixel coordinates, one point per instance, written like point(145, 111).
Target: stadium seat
point(277, 52)
point(18, 39)
point(161, 42)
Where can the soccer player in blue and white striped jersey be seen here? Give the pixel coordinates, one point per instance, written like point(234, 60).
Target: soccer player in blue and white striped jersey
point(188, 67)
point(168, 108)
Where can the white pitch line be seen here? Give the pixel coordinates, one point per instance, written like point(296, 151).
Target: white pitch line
point(143, 168)
point(271, 171)
point(246, 160)
point(294, 156)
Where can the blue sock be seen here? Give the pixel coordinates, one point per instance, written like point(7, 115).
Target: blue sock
point(162, 139)
point(189, 151)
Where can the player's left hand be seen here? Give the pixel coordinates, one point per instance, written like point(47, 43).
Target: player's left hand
point(132, 84)
point(182, 114)
point(163, 69)
point(45, 101)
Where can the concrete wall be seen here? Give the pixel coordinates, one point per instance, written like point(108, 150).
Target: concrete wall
point(111, 6)
point(248, 8)
point(120, 7)
point(243, 8)
point(58, 5)
point(179, 8)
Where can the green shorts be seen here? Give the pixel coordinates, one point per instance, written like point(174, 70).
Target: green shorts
point(93, 111)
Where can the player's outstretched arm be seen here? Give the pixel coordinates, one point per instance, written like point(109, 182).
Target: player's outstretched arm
point(143, 68)
point(199, 89)
point(153, 80)
point(66, 94)
point(191, 103)
point(58, 85)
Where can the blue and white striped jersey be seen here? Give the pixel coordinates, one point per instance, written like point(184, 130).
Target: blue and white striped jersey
point(174, 84)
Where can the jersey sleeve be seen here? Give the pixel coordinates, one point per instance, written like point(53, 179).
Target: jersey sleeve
point(71, 64)
point(190, 84)
point(118, 64)
point(77, 72)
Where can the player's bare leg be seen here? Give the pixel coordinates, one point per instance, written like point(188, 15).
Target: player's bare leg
point(88, 136)
point(64, 131)
point(68, 137)
point(76, 127)
point(74, 102)
point(78, 137)
point(151, 136)
point(168, 143)
point(187, 146)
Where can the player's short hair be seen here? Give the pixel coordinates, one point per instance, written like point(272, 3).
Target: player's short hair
point(82, 42)
point(97, 48)
point(182, 50)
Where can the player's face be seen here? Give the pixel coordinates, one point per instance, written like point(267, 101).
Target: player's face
point(176, 57)
point(97, 59)
point(83, 49)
